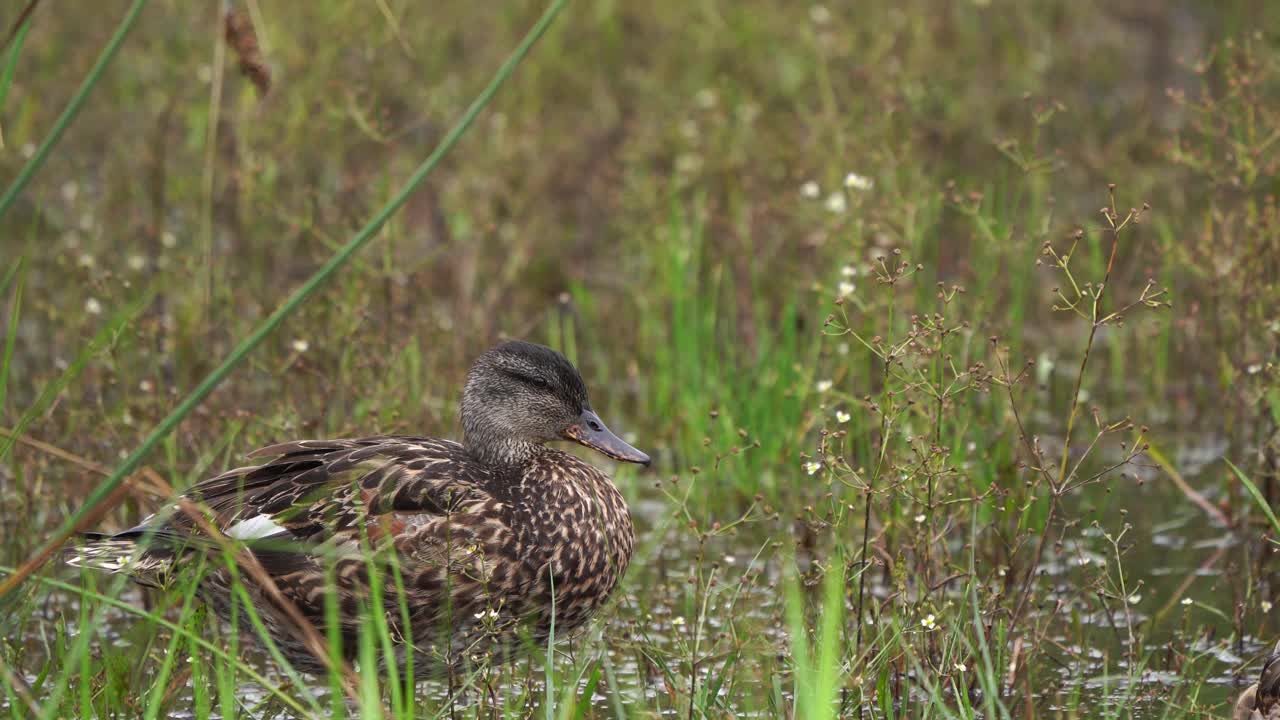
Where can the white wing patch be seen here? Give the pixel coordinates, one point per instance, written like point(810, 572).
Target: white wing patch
point(258, 526)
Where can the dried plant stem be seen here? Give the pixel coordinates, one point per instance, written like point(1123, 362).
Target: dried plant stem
point(1058, 486)
point(866, 516)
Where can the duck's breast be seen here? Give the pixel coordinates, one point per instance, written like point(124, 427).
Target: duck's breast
point(577, 530)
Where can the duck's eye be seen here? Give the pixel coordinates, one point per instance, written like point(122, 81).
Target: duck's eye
point(533, 380)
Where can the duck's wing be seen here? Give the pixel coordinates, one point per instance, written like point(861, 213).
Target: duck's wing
point(318, 489)
point(310, 493)
point(313, 515)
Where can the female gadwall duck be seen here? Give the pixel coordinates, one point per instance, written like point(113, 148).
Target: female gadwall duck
point(495, 538)
point(1261, 700)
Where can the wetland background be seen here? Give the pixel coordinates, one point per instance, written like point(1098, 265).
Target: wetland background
point(945, 323)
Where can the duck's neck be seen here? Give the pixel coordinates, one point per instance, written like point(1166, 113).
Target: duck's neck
point(504, 452)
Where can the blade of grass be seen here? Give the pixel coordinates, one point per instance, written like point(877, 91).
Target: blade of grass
point(73, 108)
point(11, 335)
point(299, 296)
point(18, 35)
point(20, 24)
point(55, 387)
point(1256, 494)
point(178, 629)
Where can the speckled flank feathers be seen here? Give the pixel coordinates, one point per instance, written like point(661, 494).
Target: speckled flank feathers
point(488, 540)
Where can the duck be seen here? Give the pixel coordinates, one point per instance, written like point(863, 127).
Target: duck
point(499, 541)
point(1261, 700)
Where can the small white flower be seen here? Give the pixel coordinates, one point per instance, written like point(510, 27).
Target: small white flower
point(842, 417)
point(489, 614)
point(1134, 599)
point(688, 163)
point(70, 190)
point(842, 349)
point(706, 98)
point(819, 14)
point(1254, 369)
point(1186, 601)
point(729, 559)
point(849, 271)
point(854, 181)
point(168, 239)
point(1266, 606)
point(960, 667)
point(810, 190)
point(836, 203)
point(677, 620)
point(846, 288)
point(137, 262)
point(146, 386)
point(812, 467)
point(301, 345)
point(929, 622)
point(92, 306)
point(823, 385)
point(1083, 561)
point(86, 260)
point(919, 521)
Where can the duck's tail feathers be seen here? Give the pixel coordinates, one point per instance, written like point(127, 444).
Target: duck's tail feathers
point(148, 564)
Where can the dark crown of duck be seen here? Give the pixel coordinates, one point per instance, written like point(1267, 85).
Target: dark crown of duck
point(519, 395)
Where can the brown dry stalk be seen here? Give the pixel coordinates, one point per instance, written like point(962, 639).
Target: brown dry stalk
point(17, 24)
point(243, 40)
point(136, 488)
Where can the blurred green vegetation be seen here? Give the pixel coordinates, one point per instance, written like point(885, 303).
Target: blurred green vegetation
point(777, 238)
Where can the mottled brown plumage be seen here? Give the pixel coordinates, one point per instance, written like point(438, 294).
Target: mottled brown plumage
point(493, 538)
point(1261, 700)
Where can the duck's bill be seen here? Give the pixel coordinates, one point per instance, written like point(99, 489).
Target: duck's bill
point(591, 431)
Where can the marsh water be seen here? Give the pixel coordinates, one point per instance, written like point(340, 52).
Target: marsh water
point(1176, 560)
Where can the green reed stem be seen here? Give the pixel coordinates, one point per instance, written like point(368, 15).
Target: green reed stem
point(10, 66)
point(295, 300)
point(73, 108)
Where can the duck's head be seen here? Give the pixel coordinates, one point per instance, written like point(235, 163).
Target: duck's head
point(520, 395)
